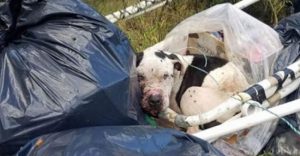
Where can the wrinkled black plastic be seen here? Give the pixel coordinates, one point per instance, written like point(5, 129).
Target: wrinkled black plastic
point(289, 31)
point(296, 5)
point(62, 66)
point(115, 141)
point(284, 140)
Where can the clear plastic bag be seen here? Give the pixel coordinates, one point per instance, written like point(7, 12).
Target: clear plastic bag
point(249, 43)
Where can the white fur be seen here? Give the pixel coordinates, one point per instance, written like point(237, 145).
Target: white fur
point(219, 85)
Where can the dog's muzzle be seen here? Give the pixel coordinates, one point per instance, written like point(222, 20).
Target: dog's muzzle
point(152, 102)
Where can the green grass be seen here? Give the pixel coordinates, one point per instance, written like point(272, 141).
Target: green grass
point(146, 30)
point(269, 11)
point(109, 6)
point(150, 28)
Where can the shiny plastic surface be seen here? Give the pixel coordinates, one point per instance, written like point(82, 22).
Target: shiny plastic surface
point(284, 141)
point(115, 141)
point(249, 43)
point(62, 66)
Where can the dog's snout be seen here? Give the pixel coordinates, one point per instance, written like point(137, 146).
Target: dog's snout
point(155, 100)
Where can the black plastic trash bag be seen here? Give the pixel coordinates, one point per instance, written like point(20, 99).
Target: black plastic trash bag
point(289, 32)
point(284, 141)
point(115, 141)
point(63, 66)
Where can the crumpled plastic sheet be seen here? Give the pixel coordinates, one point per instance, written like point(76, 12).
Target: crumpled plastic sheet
point(118, 140)
point(249, 43)
point(284, 141)
point(62, 66)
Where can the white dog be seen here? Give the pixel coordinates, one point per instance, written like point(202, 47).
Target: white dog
point(190, 84)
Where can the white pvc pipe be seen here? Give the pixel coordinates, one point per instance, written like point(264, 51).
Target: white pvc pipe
point(134, 10)
point(230, 104)
point(249, 121)
point(235, 101)
point(128, 11)
point(289, 89)
point(245, 3)
point(148, 9)
point(148, 5)
point(248, 109)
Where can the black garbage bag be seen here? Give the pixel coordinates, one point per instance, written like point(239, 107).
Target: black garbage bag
point(295, 5)
point(62, 66)
point(284, 141)
point(115, 141)
point(289, 32)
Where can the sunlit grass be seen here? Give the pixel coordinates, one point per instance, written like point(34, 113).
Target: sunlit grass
point(150, 28)
point(109, 6)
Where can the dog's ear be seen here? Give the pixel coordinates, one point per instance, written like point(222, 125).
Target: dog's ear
point(139, 57)
point(178, 63)
point(177, 66)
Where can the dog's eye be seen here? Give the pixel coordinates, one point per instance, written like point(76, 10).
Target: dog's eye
point(141, 77)
point(166, 76)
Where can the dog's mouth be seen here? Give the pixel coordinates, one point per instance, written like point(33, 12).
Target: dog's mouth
point(152, 112)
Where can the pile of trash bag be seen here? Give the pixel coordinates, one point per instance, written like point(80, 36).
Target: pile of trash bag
point(63, 66)
point(68, 81)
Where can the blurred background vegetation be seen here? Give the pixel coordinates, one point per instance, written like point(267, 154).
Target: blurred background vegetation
point(150, 28)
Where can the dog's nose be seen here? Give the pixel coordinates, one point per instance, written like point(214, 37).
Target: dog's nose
point(155, 100)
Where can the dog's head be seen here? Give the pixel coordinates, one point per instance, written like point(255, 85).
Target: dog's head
point(156, 74)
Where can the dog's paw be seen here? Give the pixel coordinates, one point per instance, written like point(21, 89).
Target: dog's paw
point(192, 130)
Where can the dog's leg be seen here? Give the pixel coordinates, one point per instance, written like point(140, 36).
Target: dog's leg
point(197, 100)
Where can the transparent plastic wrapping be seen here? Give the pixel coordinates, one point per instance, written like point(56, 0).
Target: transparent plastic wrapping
point(249, 43)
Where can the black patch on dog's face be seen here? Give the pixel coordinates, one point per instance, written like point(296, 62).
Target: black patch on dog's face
point(160, 54)
point(172, 57)
point(163, 55)
point(195, 77)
